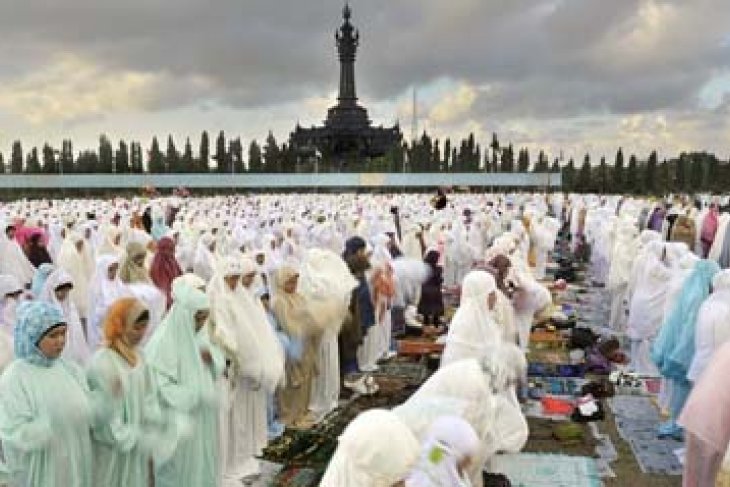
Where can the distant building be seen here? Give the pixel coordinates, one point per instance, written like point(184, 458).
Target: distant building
point(347, 133)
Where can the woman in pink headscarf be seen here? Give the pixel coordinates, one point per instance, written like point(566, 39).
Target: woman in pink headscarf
point(165, 267)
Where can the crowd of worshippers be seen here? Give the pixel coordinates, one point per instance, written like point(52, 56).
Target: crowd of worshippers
point(168, 341)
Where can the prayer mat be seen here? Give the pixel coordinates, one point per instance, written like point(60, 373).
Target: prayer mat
point(537, 470)
point(637, 419)
point(297, 477)
point(414, 373)
point(559, 386)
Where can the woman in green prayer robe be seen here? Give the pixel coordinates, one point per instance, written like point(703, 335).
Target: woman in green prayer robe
point(185, 365)
point(123, 445)
point(46, 407)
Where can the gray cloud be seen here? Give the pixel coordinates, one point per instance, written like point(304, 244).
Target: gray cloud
point(541, 58)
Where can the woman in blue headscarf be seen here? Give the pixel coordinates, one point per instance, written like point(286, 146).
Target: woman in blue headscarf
point(46, 408)
point(674, 348)
point(185, 365)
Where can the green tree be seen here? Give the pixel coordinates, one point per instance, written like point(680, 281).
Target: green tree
point(16, 158)
point(650, 173)
point(523, 161)
point(32, 164)
point(446, 164)
point(67, 157)
point(156, 161)
point(255, 163)
point(583, 185)
point(221, 154)
point(272, 154)
point(121, 159)
point(496, 152)
point(602, 178)
point(49, 159)
point(2, 164)
point(556, 166)
point(508, 159)
point(632, 175)
point(106, 156)
point(137, 161)
point(569, 178)
point(435, 164)
point(204, 154)
point(618, 173)
point(236, 153)
point(172, 157)
point(187, 163)
point(88, 162)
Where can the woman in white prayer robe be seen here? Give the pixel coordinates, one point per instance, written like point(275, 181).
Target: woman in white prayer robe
point(13, 260)
point(76, 258)
point(11, 293)
point(204, 264)
point(258, 364)
point(473, 330)
point(646, 311)
point(57, 291)
point(104, 290)
point(713, 325)
point(447, 453)
point(376, 450)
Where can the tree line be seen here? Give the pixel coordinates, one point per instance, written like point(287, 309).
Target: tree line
point(687, 172)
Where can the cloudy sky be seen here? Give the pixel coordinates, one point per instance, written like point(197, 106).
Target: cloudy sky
point(564, 75)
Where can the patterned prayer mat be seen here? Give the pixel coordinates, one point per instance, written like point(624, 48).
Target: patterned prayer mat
point(538, 470)
point(637, 419)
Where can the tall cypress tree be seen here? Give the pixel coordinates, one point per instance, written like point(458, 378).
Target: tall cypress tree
point(618, 173)
point(221, 155)
point(632, 175)
point(172, 157)
point(2, 164)
point(16, 158)
point(569, 176)
point(106, 156)
point(255, 164)
point(156, 163)
point(272, 154)
point(49, 159)
point(121, 159)
point(204, 154)
point(32, 164)
point(187, 164)
point(650, 174)
point(602, 176)
point(67, 157)
point(583, 185)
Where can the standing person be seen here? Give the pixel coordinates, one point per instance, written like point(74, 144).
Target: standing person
point(431, 306)
point(360, 318)
point(291, 312)
point(77, 258)
point(57, 291)
point(105, 289)
point(165, 267)
point(44, 433)
point(133, 270)
point(258, 364)
point(123, 447)
point(185, 365)
point(706, 420)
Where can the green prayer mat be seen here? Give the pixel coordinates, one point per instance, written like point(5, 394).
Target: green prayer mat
point(538, 470)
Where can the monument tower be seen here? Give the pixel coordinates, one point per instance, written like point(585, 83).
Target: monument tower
point(347, 132)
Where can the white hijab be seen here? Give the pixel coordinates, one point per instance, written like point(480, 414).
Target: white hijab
point(451, 440)
point(376, 450)
point(241, 324)
point(102, 294)
point(77, 349)
point(473, 327)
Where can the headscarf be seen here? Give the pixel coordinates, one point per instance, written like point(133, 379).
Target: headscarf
point(8, 285)
point(122, 315)
point(473, 327)
point(39, 279)
point(76, 349)
point(289, 308)
point(241, 323)
point(376, 450)
point(165, 268)
point(159, 229)
point(130, 272)
point(35, 318)
point(450, 441)
point(103, 292)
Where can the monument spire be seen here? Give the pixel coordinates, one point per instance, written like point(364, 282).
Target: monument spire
point(348, 39)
